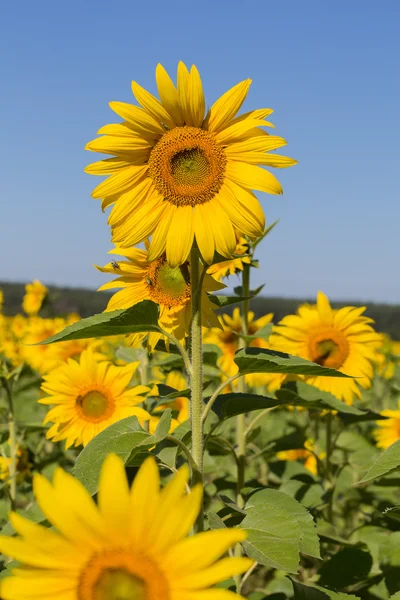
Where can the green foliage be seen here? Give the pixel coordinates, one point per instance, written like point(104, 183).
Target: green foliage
point(386, 462)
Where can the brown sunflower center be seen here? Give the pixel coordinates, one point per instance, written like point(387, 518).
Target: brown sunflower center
point(169, 286)
point(94, 406)
point(122, 575)
point(329, 349)
point(187, 166)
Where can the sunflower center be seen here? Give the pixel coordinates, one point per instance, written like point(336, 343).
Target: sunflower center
point(167, 285)
point(94, 406)
point(187, 166)
point(122, 575)
point(329, 349)
point(119, 585)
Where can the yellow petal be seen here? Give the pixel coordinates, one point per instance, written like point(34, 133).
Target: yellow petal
point(235, 132)
point(204, 235)
point(144, 500)
point(106, 166)
point(222, 570)
point(222, 228)
point(159, 237)
point(152, 105)
point(139, 119)
point(180, 236)
point(226, 107)
point(196, 98)
point(118, 145)
point(140, 225)
point(113, 497)
point(120, 182)
point(253, 177)
point(248, 201)
point(131, 200)
point(168, 95)
point(255, 144)
point(184, 92)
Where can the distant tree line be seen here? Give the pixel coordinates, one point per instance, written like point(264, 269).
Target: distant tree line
point(63, 301)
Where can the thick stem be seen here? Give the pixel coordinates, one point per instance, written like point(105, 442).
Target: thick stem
point(196, 382)
point(329, 448)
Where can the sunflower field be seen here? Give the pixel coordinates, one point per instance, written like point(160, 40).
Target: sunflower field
point(176, 447)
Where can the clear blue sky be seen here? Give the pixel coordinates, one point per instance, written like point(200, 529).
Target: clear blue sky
point(329, 69)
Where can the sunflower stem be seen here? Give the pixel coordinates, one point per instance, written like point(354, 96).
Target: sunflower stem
point(196, 405)
point(329, 448)
point(12, 441)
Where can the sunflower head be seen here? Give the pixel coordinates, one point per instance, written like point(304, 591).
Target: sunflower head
point(179, 175)
point(132, 545)
point(341, 339)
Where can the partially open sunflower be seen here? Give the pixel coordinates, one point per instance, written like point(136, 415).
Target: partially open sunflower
point(179, 175)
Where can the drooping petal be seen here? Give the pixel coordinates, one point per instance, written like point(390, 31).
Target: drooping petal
point(152, 105)
point(253, 177)
point(180, 236)
point(226, 107)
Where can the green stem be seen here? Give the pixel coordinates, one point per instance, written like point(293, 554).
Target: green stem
point(329, 448)
point(13, 442)
point(182, 351)
point(217, 392)
point(197, 364)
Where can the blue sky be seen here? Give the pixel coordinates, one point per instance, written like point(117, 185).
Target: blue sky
point(330, 71)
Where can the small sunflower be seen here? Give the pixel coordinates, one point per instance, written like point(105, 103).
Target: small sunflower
point(178, 175)
point(35, 295)
point(168, 286)
point(227, 338)
point(388, 431)
point(340, 339)
point(89, 396)
point(235, 264)
point(388, 357)
point(132, 545)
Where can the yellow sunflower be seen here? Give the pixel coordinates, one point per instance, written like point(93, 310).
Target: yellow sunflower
point(388, 431)
point(341, 339)
point(32, 302)
point(132, 545)
point(158, 281)
point(1, 300)
point(230, 267)
point(308, 453)
point(89, 396)
point(178, 175)
point(228, 340)
point(388, 357)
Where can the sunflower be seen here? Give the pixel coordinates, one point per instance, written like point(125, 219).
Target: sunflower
point(158, 281)
point(132, 545)
point(388, 431)
point(388, 357)
point(89, 396)
point(236, 263)
point(178, 175)
point(35, 295)
point(1, 300)
point(228, 339)
point(340, 339)
point(308, 454)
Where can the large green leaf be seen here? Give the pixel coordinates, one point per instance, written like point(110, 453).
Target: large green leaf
point(307, 592)
point(264, 499)
point(261, 360)
point(125, 438)
point(278, 529)
point(235, 403)
point(222, 301)
point(347, 567)
point(299, 393)
point(385, 463)
point(139, 318)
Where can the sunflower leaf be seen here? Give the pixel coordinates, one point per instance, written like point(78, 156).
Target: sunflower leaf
point(307, 592)
point(232, 404)
point(125, 438)
point(299, 393)
point(221, 301)
point(261, 360)
point(385, 463)
point(138, 318)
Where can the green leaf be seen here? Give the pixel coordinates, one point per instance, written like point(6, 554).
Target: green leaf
point(252, 293)
point(346, 567)
point(164, 424)
point(215, 522)
point(264, 499)
point(138, 318)
point(125, 438)
point(385, 463)
point(396, 596)
point(278, 529)
point(299, 393)
point(260, 360)
point(265, 233)
point(307, 592)
point(235, 403)
point(222, 301)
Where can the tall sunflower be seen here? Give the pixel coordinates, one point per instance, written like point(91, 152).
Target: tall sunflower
point(179, 175)
point(341, 339)
point(158, 281)
point(132, 545)
point(89, 396)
